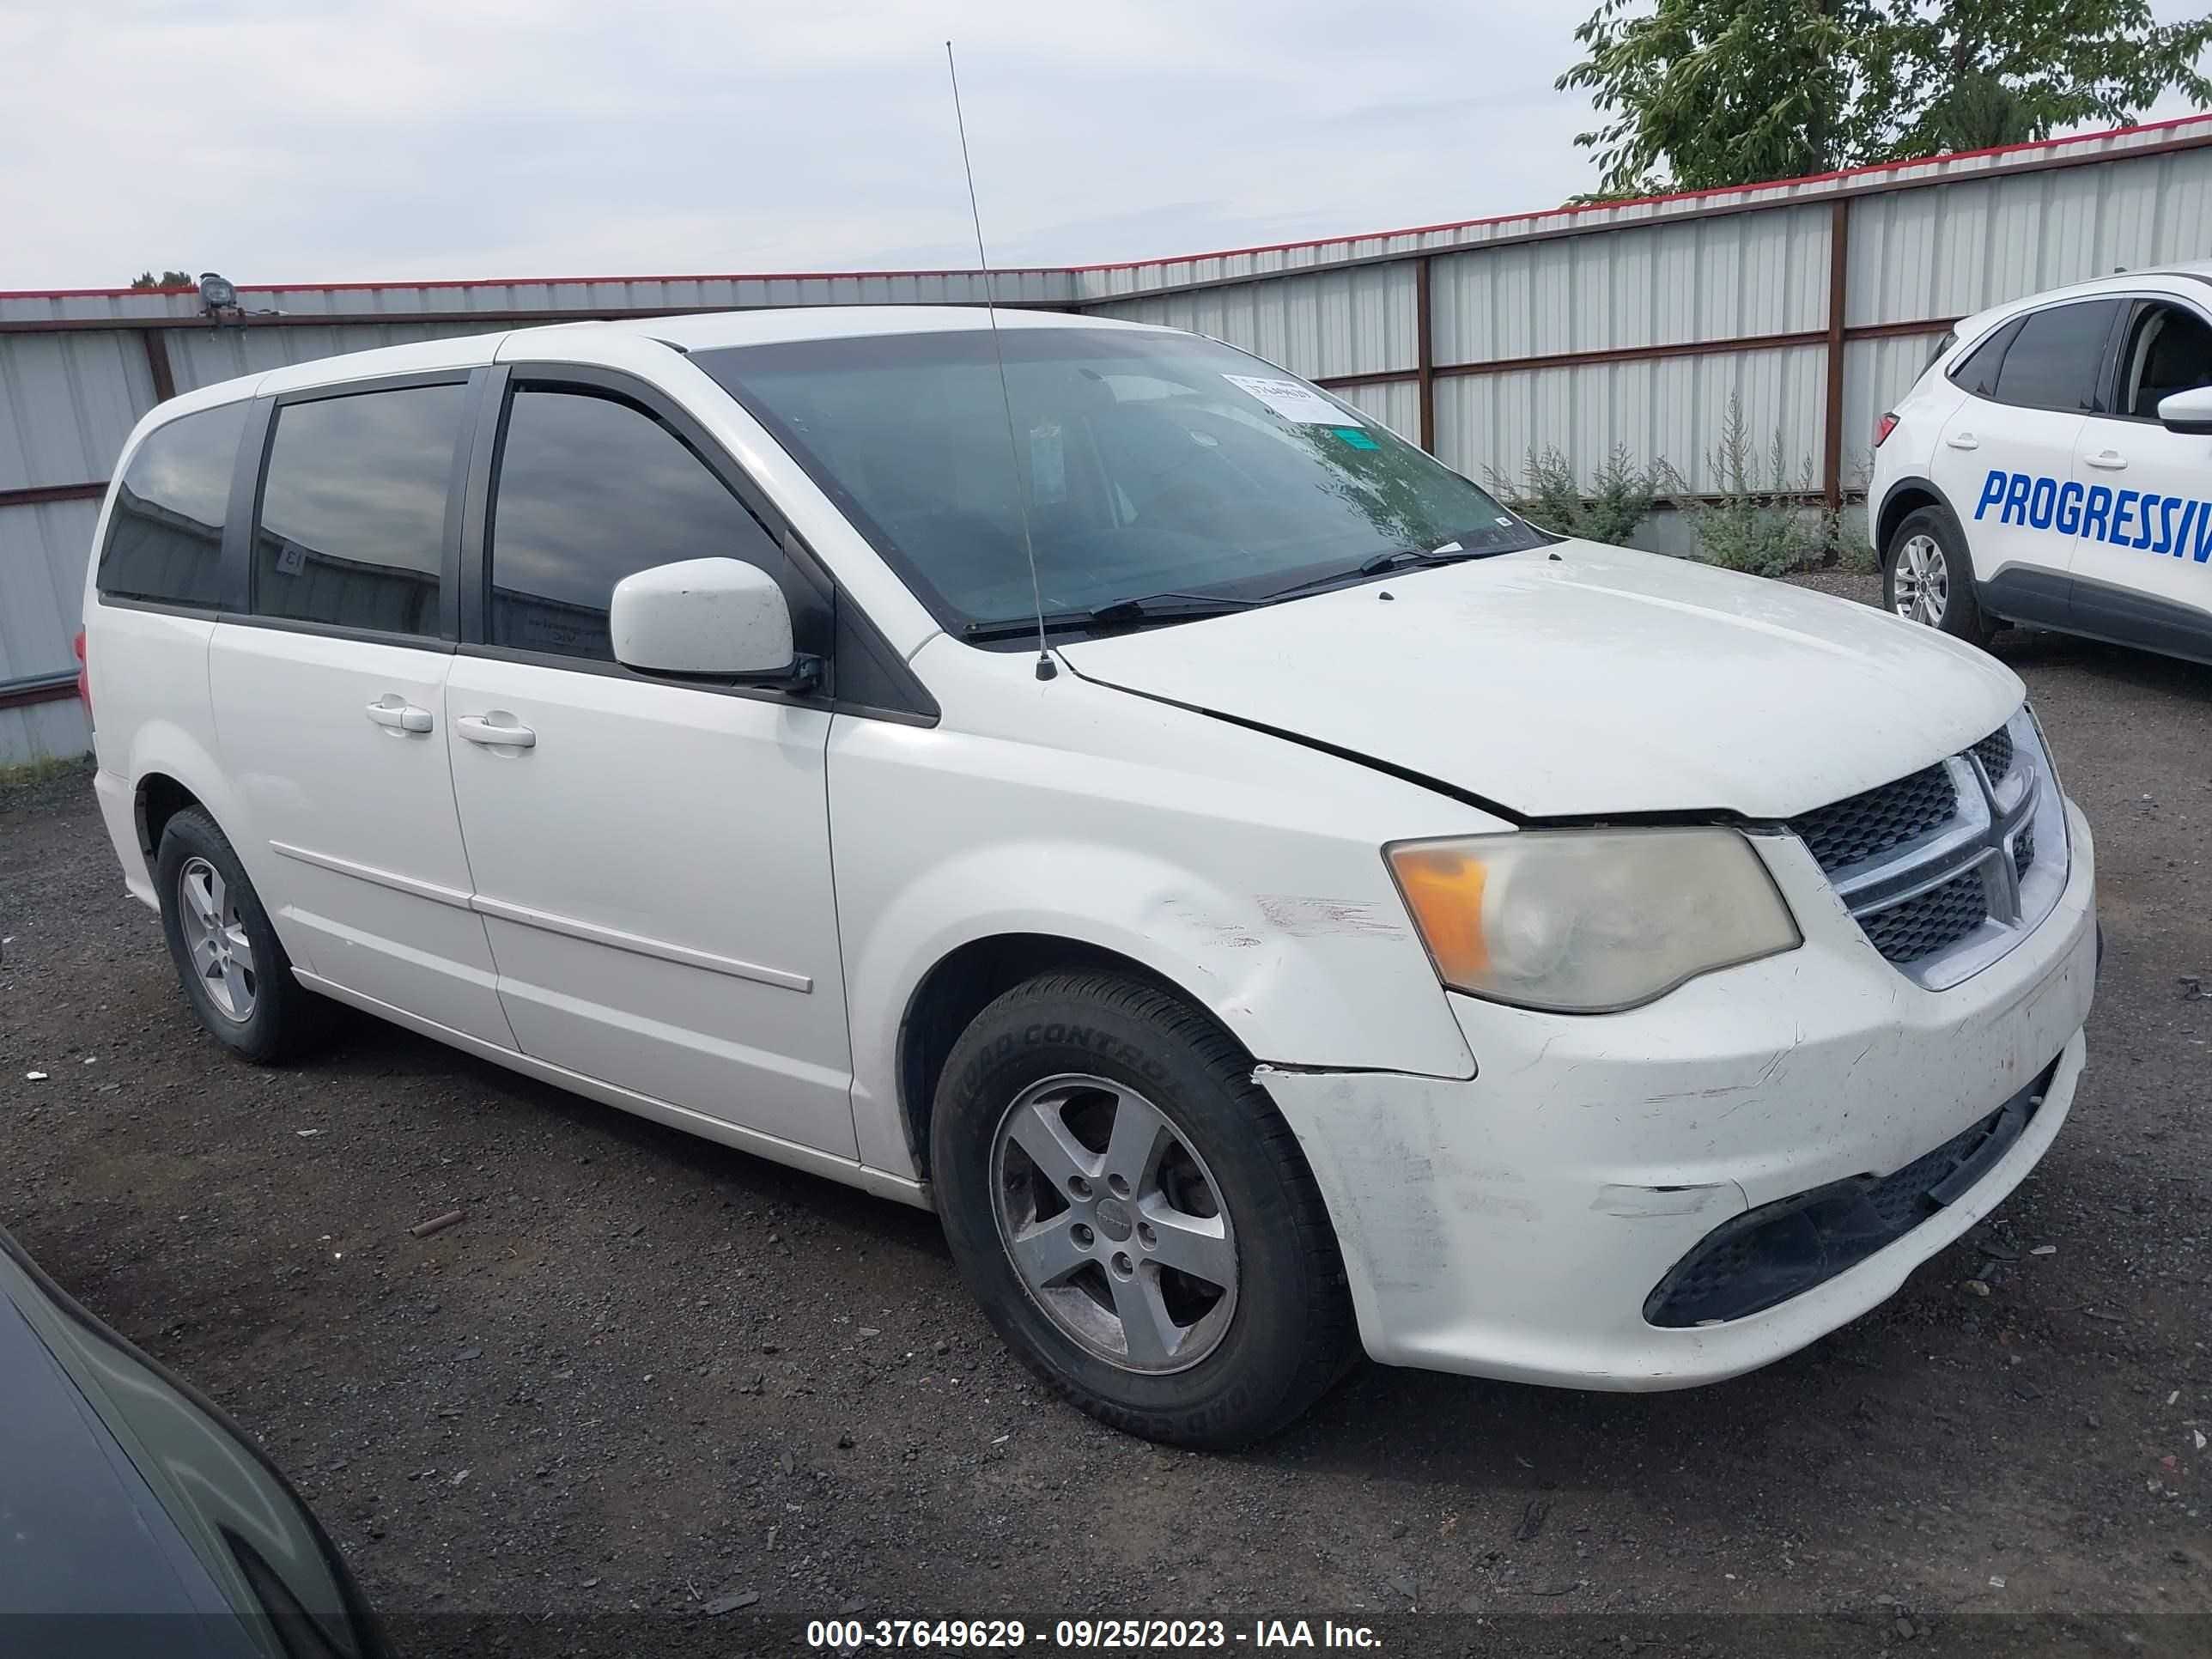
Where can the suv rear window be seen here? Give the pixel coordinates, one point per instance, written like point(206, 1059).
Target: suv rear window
point(165, 536)
point(352, 532)
point(2057, 360)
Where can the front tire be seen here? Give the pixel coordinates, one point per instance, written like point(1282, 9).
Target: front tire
point(234, 970)
point(1928, 576)
point(1133, 1215)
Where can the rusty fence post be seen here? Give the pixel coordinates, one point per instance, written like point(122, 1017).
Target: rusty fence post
point(1832, 435)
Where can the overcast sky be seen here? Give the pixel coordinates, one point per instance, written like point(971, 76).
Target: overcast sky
point(301, 141)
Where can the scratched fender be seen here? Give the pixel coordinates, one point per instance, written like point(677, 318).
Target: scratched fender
point(1259, 890)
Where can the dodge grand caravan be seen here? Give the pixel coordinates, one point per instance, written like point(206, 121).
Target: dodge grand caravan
point(1268, 899)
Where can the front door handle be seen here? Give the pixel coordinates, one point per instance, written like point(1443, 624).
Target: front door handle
point(1963, 441)
point(484, 729)
point(395, 713)
point(2110, 459)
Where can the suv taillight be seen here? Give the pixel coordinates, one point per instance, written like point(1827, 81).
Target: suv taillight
point(1884, 427)
point(83, 673)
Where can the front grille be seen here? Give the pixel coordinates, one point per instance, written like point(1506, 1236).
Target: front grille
point(1995, 753)
point(1935, 920)
point(1942, 836)
point(1867, 826)
point(1784, 1249)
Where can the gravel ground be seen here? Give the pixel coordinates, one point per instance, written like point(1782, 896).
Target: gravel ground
point(649, 1375)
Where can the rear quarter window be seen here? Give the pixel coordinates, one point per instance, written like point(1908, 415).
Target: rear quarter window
point(1978, 373)
point(165, 534)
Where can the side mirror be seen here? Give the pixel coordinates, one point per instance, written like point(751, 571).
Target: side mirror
point(719, 619)
point(2189, 412)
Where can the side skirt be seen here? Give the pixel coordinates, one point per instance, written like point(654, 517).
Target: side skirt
point(881, 1183)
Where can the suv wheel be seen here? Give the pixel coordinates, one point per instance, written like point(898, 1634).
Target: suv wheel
point(1132, 1214)
point(1928, 578)
point(236, 973)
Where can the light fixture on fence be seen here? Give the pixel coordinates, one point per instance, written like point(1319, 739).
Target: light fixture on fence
point(218, 294)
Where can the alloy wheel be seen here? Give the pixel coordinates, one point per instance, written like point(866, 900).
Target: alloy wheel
point(1115, 1224)
point(1920, 588)
point(216, 941)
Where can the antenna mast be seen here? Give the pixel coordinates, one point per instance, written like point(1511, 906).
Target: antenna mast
point(1045, 669)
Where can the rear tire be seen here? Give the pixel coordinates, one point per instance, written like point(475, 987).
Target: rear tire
point(233, 968)
point(1162, 1151)
point(1927, 577)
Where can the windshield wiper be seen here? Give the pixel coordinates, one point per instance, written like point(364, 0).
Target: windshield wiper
point(1151, 608)
point(1392, 559)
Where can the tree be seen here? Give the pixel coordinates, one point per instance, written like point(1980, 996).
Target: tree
point(2013, 71)
point(1706, 93)
point(166, 279)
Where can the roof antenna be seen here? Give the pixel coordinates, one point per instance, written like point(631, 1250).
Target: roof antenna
point(1045, 669)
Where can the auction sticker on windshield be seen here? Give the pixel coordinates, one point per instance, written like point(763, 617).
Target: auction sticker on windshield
point(1293, 401)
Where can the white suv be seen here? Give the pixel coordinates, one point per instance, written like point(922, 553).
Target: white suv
point(2053, 466)
point(1360, 914)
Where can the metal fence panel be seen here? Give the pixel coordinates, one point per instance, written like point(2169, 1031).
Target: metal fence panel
point(42, 554)
point(1345, 322)
point(1924, 253)
point(67, 402)
point(1669, 410)
point(1702, 279)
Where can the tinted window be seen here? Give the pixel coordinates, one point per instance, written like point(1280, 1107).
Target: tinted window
point(1149, 463)
point(164, 536)
point(591, 490)
point(2168, 349)
point(1978, 373)
point(353, 512)
point(2058, 359)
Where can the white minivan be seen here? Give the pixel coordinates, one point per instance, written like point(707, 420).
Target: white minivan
point(1269, 900)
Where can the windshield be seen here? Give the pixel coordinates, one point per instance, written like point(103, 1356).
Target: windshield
point(1155, 463)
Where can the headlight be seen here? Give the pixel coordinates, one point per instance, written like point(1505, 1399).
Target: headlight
point(1589, 921)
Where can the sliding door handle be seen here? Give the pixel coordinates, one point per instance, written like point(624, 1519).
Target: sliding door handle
point(396, 714)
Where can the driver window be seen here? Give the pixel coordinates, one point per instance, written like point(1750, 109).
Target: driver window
point(2168, 349)
point(591, 489)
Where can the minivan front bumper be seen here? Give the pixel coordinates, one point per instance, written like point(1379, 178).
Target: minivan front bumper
point(1517, 1223)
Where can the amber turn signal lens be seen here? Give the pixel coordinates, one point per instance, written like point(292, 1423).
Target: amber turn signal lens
point(1443, 883)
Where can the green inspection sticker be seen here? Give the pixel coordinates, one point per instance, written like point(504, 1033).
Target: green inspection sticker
point(1355, 437)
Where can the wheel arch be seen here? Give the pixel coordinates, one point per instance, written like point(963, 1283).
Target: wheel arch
point(1906, 496)
point(158, 798)
point(967, 979)
point(170, 771)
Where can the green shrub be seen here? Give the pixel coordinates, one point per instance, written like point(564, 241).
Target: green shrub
point(1547, 494)
point(1768, 521)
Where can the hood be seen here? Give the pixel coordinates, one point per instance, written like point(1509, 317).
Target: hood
point(1582, 680)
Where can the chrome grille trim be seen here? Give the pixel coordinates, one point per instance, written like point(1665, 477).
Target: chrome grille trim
point(2007, 818)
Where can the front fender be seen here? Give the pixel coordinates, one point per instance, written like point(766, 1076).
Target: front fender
point(1274, 969)
point(1244, 871)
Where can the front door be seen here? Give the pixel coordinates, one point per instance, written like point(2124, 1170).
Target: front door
point(2142, 573)
point(652, 859)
